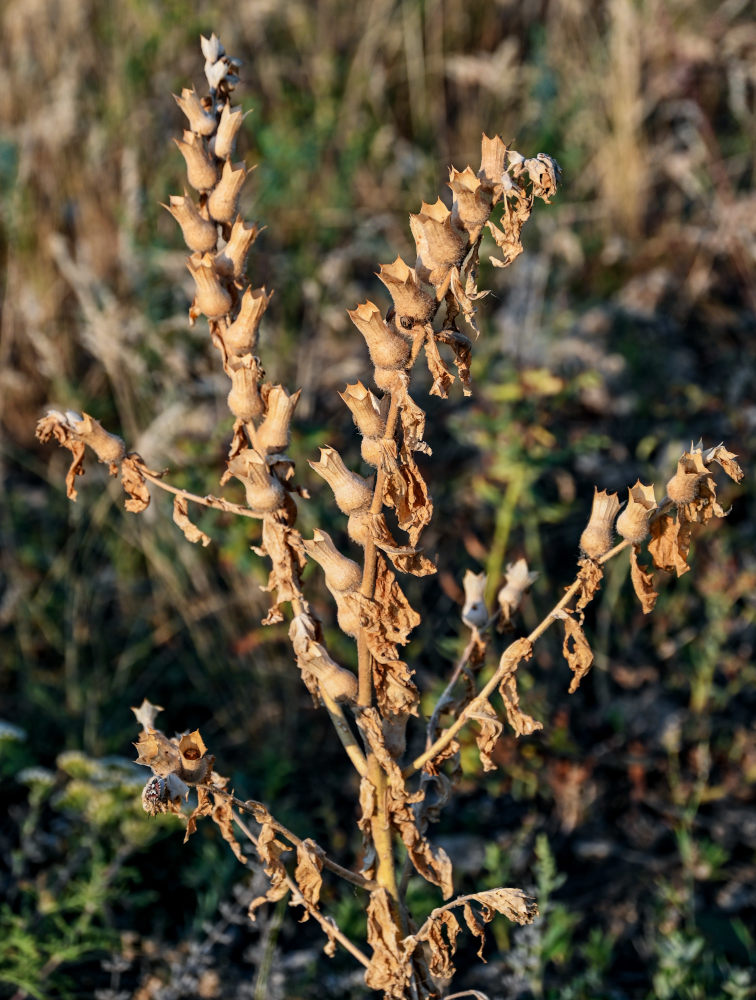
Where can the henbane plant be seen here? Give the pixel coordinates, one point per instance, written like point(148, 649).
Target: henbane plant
point(407, 763)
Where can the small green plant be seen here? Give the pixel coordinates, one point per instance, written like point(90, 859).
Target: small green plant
point(407, 760)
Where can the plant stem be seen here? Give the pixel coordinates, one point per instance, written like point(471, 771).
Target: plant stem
point(217, 503)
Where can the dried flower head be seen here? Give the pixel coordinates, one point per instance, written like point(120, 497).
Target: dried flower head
point(231, 260)
point(264, 492)
point(471, 206)
point(224, 140)
point(274, 432)
point(201, 171)
point(597, 536)
point(342, 574)
point(241, 336)
point(244, 399)
point(632, 523)
point(387, 349)
point(413, 305)
point(685, 485)
point(210, 297)
point(224, 198)
point(440, 246)
point(200, 119)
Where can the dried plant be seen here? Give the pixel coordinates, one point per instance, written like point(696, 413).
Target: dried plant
point(376, 714)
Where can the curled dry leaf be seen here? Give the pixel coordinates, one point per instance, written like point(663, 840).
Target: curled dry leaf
point(406, 491)
point(134, 484)
point(283, 544)
point(433, 865)
point(575, 648)
point(670, 543)
point(643, 582)
point(181, 518)
point(269, 850)
point(521, 723)
point(726, 459)
point(389, 969)
point(589, 577)
point(442, 946)
point(442, 377)
point(490, 730)
point(462, 348)
point(308, 872)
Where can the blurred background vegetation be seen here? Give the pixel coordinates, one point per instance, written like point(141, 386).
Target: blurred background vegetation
point(624, 331)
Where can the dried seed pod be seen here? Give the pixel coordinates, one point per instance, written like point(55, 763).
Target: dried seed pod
point(365, 409)
point(474, 612)
point(224, 197)
point(335, 681)
point(244, 399)
point(632, 523)
point(274, 432)
point(472, 202)
point(387, 349)
point(388, 380)
point(199, 234)
point(201, 171)
point(352, 493)
point(264, 492)
point(109, 448)
point(597, 537)
point(440, 246)
point(413, 306)
point(684, 486)
point(200, 120)
point(518, 581)
point(224, 140)
point(342, 574)
point(241, 336)
point(232, 259)
point(196, 763)
point(210, 297)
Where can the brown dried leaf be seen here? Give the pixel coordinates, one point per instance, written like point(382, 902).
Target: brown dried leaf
point(669, 545)
point(283, 545)
point(276, 892)
point(441, 950)
point(490, 730)
point(462, 348)
point(643, 582)
point(442, 377)
point(269, 850)
point(134, 484)
point(726, 459)
point(476, 927)
point(308, 872)
point(406, 491)
point(390, 969)
point(181, 518)
point(513, 903)
point(576, 650)
point(222, 815)
point(203, 808)
point(522, 724)
point(589, 577)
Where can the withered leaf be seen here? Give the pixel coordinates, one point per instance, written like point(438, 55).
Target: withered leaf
point(589, 577)
point(222, 815)
point(269, 850)
point(669, 545)
point(441, 950)
point(412, 417)
point(476, 927)
point(513, 903)
point(389, 969)
point(442, 377)
point(134, 484)
point(576, 650)
point(203, 808)
point(521, 723)
point(726, 459)
point(308, 872)
point(283, 545)
point(462, 348)
point(56, 425)
point(643, 582)
point(490, 730)
point(406, 491)
point(181, 519)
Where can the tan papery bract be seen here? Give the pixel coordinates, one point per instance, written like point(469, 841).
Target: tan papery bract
point(596, 539)
point(387, 348)
point(200, 234)
point(241, 336)
point(365, 409)
point(342, 574)
point(632, 523)
point(414, 307)
point(201, 171)
point(224, 197)
point(244, 399)
point(200, 121)
point(274, 432)
point(352, 493)
point(231, 261)
point(472, 202)
point(493, 158)
point(211, 297)
point(440, 246)
point(224, 140)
